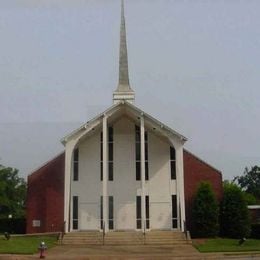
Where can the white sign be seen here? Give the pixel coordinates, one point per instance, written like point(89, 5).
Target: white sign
point(36, 223)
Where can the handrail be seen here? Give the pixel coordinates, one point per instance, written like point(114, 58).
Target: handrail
point(62, 233)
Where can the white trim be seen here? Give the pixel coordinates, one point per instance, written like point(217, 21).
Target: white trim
point(110, 111)
point(105, 171)
point(142, 140)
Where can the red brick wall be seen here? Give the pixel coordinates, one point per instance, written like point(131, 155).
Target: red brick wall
point(45, 197)
point(196, 171)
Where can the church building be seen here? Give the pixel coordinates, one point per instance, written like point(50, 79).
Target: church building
point(122, 170)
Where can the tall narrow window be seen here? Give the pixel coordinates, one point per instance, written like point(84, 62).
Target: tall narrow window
point(147, 212)
point(146, 156)
point(174, 211)
point(111, 212)
point(173, 163)
point(101, 156)
point(76, 165)
point(101, 212)
point(110, 153)
point(138, 154)
point(75, 212)
point(138, 213)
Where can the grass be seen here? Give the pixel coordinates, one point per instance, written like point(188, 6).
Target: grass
point(226, 245)
point(25, 244)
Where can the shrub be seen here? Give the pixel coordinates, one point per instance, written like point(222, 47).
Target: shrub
point(205, 212)
point(234, 220)
point(255, 231)
point(14, 226)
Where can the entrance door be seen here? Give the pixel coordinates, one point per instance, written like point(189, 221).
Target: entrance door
point(89, 216)
point(160, 215)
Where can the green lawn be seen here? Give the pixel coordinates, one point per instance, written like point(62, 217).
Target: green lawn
point(25, 244)
point(226, 245)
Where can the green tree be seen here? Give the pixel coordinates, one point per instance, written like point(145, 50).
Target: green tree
point(205, 212)
point(250, 181)
point(234, 215)
point(12, 193)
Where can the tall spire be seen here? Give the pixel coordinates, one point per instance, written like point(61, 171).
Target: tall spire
point(123, 91)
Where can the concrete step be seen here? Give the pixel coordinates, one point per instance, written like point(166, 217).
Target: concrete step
point(126, 238)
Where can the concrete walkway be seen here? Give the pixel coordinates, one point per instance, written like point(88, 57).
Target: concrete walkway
point(131, 252)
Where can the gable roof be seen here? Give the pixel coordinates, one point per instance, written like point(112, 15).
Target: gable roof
point(116, 107)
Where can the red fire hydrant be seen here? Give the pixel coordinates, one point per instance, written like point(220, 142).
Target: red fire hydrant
point(42, 248)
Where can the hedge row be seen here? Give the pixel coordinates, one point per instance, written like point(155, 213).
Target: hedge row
point(14, 226)
point(255, 231)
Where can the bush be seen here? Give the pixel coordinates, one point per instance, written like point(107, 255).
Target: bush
point(14, 226)
point(255, 231)
point(234, 220)
point(205, 212)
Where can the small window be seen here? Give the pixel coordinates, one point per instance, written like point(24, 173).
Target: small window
point(111, 212)
point(138, 213)
point(173, 163)
point(138, 170)
point(101, 156)
point(138, 154)
point(101, 212)
point(75, 212)
point(76, 165)
point(147, 212)
point(174, 211)
point(110, 153)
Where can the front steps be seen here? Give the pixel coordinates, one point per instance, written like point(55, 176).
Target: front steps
point(126, 238)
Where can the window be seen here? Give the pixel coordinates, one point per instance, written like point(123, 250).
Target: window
point(75, 212)
point(146, 156)
point(138, 154)
point(138, 213)
point(101, 156)
point(101, 212)
point(110, 154)
point(174, 211)
point(147, 212)
point(173, 163)
point(76, 165)
point(111, 212)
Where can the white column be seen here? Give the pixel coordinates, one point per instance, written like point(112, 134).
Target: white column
point(67, 183)
point(105, 175)
point(180, 183)
point(142, 132)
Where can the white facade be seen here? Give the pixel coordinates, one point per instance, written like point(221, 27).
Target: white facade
point(124, 188)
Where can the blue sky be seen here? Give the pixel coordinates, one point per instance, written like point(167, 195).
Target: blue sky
point(194, 64)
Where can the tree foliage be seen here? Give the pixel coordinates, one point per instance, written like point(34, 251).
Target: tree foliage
point(234, 217)
point(12, 193)
point(250, 181)
point(205, 212)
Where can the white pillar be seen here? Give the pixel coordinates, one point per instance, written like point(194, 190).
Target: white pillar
point(180, 183)
point(67, 183)
point(142, 132)
point(105, 175)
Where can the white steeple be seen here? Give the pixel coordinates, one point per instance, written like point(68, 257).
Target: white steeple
point(123, 91)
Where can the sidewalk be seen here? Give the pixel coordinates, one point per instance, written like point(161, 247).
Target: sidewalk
point(131, 252)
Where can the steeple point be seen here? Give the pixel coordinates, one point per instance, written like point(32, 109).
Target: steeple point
point(123, 91)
